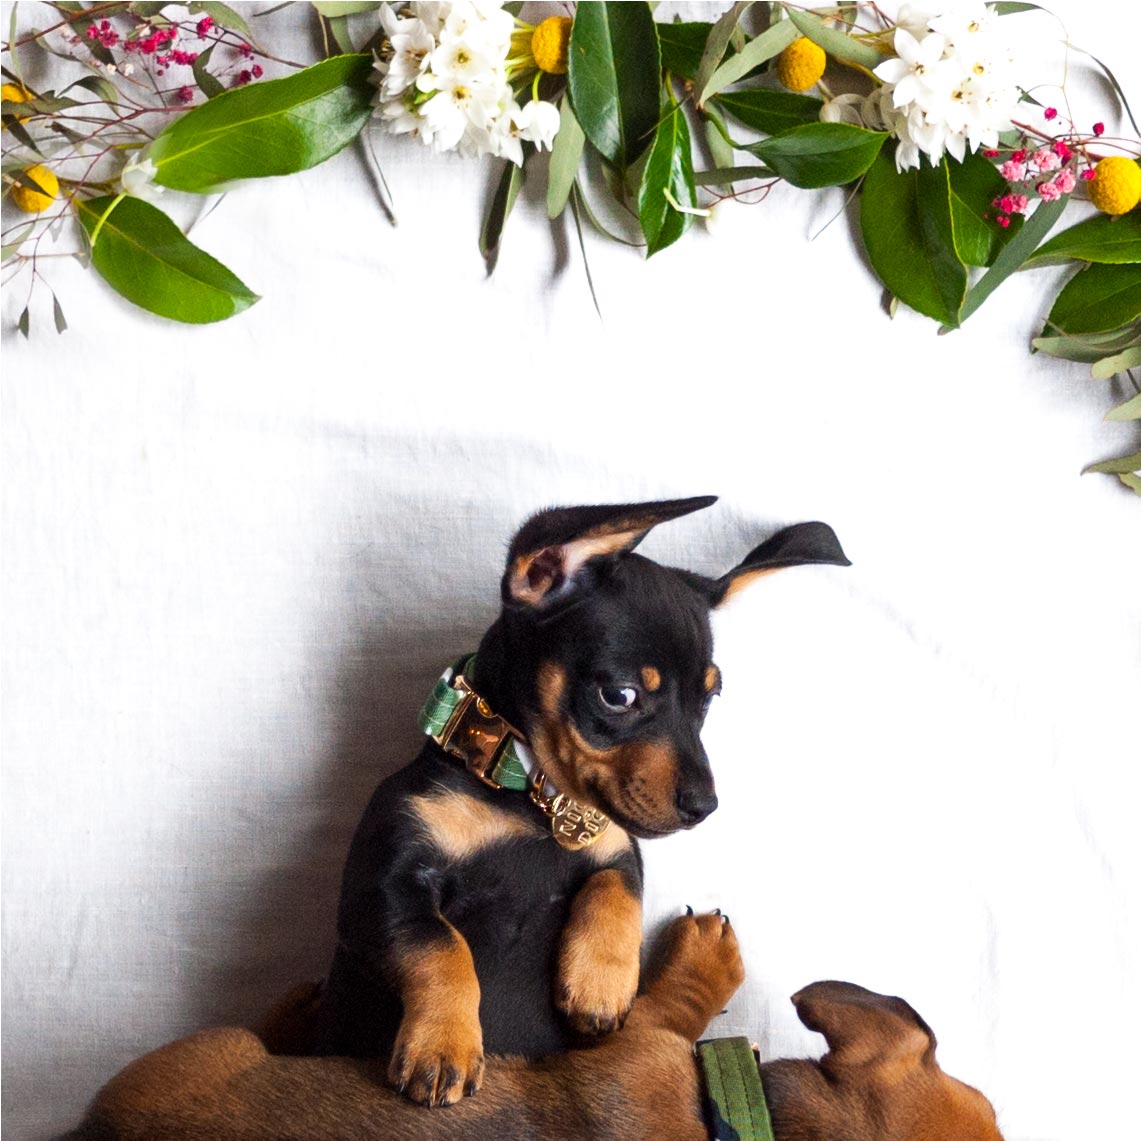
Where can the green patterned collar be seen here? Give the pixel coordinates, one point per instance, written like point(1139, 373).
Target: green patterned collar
point(735, 1097)
point(464, 726)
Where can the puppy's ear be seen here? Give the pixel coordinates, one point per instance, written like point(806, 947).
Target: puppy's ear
point(552, 547)
point(801, 545)
point(864, 1028)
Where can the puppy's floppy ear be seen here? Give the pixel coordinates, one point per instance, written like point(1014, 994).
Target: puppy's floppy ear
point(553, 545)
point(801, 545)
point(864, 1028)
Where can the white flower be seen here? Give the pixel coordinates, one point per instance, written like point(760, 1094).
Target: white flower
point(847, 108)
point(919, 69)
point(138, 179)
point(445, 77)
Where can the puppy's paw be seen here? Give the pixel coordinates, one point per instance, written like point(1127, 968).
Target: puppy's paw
point(436, 1061)
point(703, 952)
point(596, 986)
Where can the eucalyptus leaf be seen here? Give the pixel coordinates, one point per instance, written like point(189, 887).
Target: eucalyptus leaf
point(566, 154)
point(277, 127)
point(720, 149)
point(613, 76)
point(331, 9)
point(24, 323)
point(1131, 481)
point(1089, 347)
point(146, 258)
point(821, 154)
point(769, 43)
point(1118, 465)
point(1098, 298)
point(501, 204)
point(717, 43)
point(682, 45)
point(1131, 409)
point(908, 254)
point(769, 111)
point(668, 174)
point(18, 238)
point(1109, 367)
point(1013, 254)
point(339, 30)
point(833, 41)
point(1101, 238)
point(57, 315)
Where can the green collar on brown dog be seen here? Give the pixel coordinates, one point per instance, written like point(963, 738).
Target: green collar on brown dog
point(735, 1098)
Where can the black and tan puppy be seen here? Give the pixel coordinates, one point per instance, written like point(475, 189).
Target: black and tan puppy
point(492, 894)
point(879, 1080)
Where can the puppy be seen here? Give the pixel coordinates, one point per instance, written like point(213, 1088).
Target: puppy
point(879, 1080)
point(492, 894)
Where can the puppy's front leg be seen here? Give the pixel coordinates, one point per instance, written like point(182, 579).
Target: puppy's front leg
point(599, 956)
point(438, 1053)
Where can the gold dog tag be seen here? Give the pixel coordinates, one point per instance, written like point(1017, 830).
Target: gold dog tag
point(575, 826)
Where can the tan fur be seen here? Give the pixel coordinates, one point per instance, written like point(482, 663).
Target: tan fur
point(712, 679)
point(599, 954)
point(744, 579)
point(438, 1053)
point(609, 845)
point(638, 1085)
point(460, 826)
point(651, 678)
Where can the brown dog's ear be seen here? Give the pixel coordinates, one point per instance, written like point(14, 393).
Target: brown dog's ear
point(552, 546)
point(801, 545)
point(864, 1028)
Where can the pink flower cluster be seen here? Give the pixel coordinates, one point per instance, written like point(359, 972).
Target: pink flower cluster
point(1045, 174)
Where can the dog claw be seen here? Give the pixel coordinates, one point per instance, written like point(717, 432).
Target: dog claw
point(688, 909)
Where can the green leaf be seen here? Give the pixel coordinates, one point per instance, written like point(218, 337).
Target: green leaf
point(1090, 347)
point(1131, 481)
point(770, 42)
point(1098, 298)
point(906, 243)
point(614, 66)
point(833, 41)
point(223, 15)
point(331, 9)
point(771, 112)
point(973, 185)
point(145, 257)
point(1013, 254)
point(1119, 465)
point(19, 236)
point(1098, 239)
point(505, 194)
point(277, 127)
point(668, 171)
point(566, 153)
point(725, 175)
point(682, 45)
point(207, 84)
point(57, 315)
point(98, 85)
point(821, 154)
point(1131, 409)
point(25, 323)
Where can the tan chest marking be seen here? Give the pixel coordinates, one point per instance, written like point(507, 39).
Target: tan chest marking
point(460, 826)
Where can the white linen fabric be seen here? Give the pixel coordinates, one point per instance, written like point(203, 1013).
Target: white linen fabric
point(237, 557)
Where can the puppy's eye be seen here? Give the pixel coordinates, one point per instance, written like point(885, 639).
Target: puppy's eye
point(618, 698)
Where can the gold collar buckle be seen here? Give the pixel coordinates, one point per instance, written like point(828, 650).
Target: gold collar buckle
point(475, 734)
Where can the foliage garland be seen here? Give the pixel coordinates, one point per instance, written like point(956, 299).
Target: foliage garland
point(962, 176)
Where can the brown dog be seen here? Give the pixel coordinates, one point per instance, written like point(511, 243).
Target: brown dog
point(879, 1080)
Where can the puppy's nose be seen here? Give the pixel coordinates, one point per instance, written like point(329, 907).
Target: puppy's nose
point(695, 804)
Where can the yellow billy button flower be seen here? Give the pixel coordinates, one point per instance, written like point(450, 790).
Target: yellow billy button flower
point(801, 64)
point(36, 201)
point(549, 44)
point(1116, 186)
point(10, 93)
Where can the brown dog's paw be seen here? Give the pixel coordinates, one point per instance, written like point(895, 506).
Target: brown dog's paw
point(436, 1061)
point(703, 949)
point(596, 986)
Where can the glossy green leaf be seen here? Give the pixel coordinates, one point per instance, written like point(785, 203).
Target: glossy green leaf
point(1131, 409)
point(501, 205)
point(207, 83)
point(566, 153)
point(682, 45)
point(833, 41)
point(769, 43)
point(972, 186)
point(668, 174)
point(1012, 255)
point(276, 127)
point(725, 175)
point(1097, 298)
point(907, 244)
point(613, 76)
point(821, 154)
point(145, 257)
point(770, 111)
point(1100, 239)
